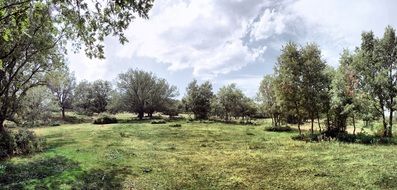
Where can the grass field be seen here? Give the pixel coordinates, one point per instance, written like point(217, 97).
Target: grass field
point(195, 156)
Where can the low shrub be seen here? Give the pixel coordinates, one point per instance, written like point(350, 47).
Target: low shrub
point(105, 119)
point(175, 125)
point(279, 128)
point(21, 142)
point(158, 121)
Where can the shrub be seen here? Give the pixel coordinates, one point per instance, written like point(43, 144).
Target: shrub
point(279, 128)
point(105, 119)
point(21, 142)
point(27, 142)
point(158, 122)
point(176, 125)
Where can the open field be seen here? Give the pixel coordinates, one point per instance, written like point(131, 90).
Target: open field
point(195, 156)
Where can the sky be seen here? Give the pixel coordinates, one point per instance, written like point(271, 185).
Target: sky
point(232, 41)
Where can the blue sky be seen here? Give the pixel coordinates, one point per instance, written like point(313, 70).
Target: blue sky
point(232, 41)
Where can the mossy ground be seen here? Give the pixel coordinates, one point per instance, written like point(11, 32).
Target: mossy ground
point(197, 155)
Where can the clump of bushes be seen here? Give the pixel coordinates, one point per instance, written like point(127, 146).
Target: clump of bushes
point(285, 128)
point(161, 121)
point(345, 137)
point(105, 119)
point(175, 125)
point(21, 142)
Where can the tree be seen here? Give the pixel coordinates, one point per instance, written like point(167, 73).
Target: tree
point(32, 33)
point(143, 92)
point(198, 99)
point(231, 101)
point(289, 81)
point(314, 81)
point(62, 83)
point(267, 97)
point(376, 67)
point(37, 106)
point(92, 97)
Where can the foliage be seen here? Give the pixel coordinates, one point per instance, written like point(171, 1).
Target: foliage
point(62, 83)
point(198, 99)
point(267, 96)
point(37, 107)
point(92, 97)
point(175, 125)
point(142, 92)
point(105, 119)
point(285, 128)
point(158, 121)
point(21, 142)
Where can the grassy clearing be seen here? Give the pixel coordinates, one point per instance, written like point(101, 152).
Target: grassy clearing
point(196, 156)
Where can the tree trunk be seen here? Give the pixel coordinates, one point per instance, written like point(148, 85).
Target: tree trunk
point(318, 121)
point(299, 118)
point(354, 125)
point(384, 124)
point(140, 115)
point(273, 124)
point(312, 129)
point(63, 113)
point(2, 128)
point(390, 134)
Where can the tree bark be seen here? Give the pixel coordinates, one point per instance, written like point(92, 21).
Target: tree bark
point(318, 121)
point(312, 128)
point(140, 115)
point(390, 132)
point(2, 128)
point(299, 118)
point(354, 125)
point(63, 113)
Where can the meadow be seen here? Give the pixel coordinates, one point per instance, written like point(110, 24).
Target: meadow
point(197, 155)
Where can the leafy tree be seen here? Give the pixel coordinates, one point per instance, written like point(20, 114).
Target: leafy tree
point(248, 108)
point(198, 99)
point(377, 73)
point(231, 101)
point(62, 83)
point(33, 32)
point(289, 81)
point(143, 92)
point(267, 97)
point(314, 81)
point(37, 106)
point(92, 97)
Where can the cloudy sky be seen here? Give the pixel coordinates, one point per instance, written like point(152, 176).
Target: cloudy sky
point(233, 41)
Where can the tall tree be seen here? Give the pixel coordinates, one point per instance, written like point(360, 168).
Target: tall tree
point(377, 69)
point(230, 100)
point(143, 92)
point(314, 81)
point(198, 99)
point(62, 83)
point(289, 81)
point(267, 97)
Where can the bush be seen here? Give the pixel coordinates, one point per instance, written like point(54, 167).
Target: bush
point(279, 128)
point(158, 122)
point(21, 142)
point(105, 119)
point(176, 125)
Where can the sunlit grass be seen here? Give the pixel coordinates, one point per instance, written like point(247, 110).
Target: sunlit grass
point(208, 156)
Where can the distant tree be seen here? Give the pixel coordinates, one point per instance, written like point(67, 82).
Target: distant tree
point(376, 68)
point(143, 92)
point(37, 106)
point(100, 92)
point(231, 101)
point(173, 108)
point(314, 81)
point(116, 102)
point(248, 108)
point(62, 83)
point(198, 99)
point(268, 99)
point(82, 97)
point(289, 81)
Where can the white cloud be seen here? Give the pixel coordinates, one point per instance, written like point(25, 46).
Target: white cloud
point(194, 34)
point(270, 23)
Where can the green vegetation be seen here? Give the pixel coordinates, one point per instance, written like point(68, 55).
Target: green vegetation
point(206, 155)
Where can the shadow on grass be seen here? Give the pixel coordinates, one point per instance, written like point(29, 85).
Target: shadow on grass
point(16, 176)
point(47, 173)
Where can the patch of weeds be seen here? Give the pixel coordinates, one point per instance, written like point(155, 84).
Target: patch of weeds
point(279, 128)
point(161, 121)
point(176, 125)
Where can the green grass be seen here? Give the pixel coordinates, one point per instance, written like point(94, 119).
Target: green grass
point(195, 156)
